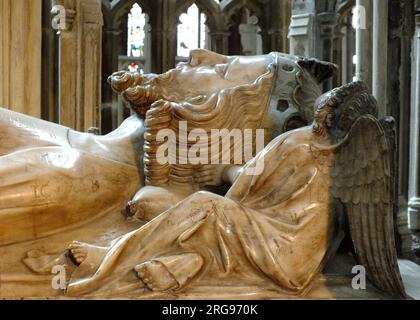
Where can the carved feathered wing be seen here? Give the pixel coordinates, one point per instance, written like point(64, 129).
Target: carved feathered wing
point(360, 179)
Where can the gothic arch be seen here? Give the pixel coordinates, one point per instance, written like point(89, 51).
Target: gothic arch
point(106, 12)
point(230, 7)
point(343, 8)
point(119, 9)
point(209, 7)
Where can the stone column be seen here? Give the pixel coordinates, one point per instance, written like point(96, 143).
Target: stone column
point(326, 23)
point(380, 54)
point(220, 41)
point(20, 55)
point(414, 175)
point(111, 51)
point(163, 35)
point(274, 32)
point(400, 27)
point(49, 88)
point(80, 64)
point(364, 41)
point(340, 55)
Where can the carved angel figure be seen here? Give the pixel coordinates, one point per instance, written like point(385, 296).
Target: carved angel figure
point(277, 227)
point(53, 178)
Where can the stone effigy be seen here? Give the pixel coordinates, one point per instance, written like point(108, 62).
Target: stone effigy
point(274, 229)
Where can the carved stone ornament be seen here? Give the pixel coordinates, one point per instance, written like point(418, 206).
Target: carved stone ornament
point(270, 235)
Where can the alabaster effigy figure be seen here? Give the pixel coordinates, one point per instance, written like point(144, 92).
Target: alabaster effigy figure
point(274, 229)
point(273, 92)
point(65, 178)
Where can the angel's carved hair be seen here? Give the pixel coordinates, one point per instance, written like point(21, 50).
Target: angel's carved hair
point(339, 108)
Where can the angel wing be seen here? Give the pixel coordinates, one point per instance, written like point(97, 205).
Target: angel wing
point(361, 180)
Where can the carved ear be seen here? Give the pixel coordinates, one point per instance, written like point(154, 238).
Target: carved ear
point(320, 70)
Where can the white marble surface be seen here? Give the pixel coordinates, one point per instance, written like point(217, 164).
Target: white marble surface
point(410, 273)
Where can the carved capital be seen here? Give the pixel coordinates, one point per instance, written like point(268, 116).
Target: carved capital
point(327, 22)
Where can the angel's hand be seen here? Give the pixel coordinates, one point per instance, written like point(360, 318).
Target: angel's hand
point(209, 175)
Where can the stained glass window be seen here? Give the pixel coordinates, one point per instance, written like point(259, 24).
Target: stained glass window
point(136, 32)
point(192, 31)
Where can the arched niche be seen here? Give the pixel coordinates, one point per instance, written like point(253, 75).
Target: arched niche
point(193, 32)
point(209, 7)
point(230, 7)
point(115, 57)
point(344, 8)
point(241, 18)
point(121, 8)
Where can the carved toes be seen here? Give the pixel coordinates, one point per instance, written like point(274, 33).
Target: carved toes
point(155, 276)
point(77, 252)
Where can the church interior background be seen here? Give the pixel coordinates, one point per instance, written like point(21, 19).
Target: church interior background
point(60, 73)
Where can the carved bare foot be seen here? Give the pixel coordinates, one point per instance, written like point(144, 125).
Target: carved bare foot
point(79, 251)
point(156, 276)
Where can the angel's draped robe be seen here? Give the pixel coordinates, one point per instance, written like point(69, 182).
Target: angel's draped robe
point(277, 225)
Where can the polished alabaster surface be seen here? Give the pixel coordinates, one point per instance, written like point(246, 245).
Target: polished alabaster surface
point(270, 235)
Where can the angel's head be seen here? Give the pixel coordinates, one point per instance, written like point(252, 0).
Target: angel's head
point(337, 110)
